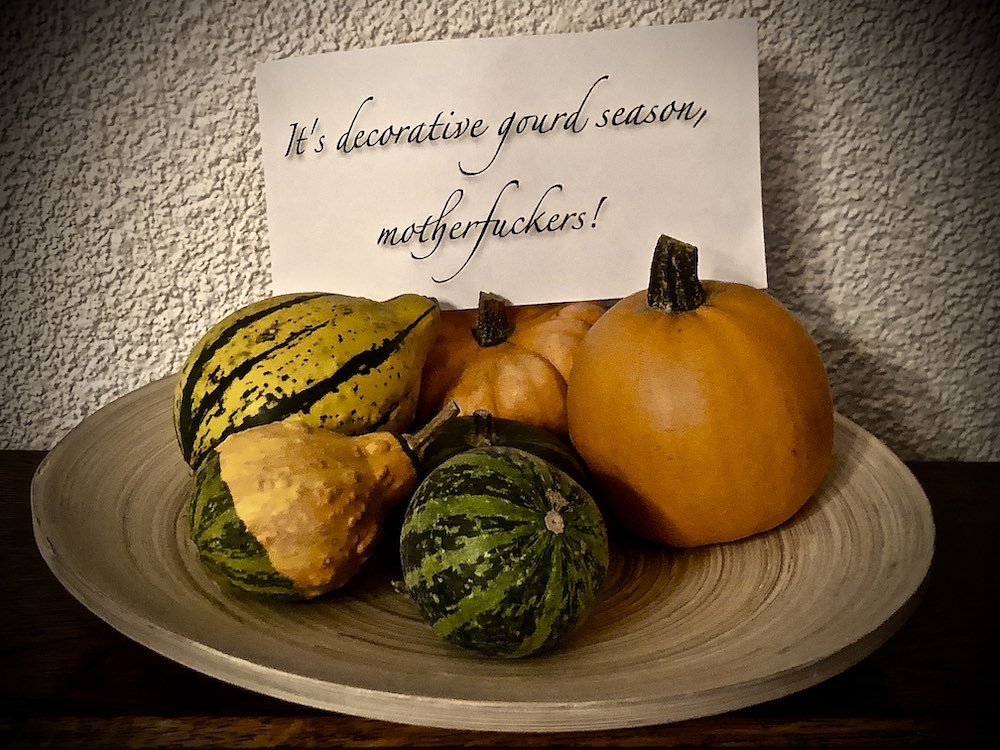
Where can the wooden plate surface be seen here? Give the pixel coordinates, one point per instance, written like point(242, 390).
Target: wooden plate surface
point(676, 635)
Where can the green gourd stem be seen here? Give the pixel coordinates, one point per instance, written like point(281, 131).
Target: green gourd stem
point(673, 277)
point(418, 441)
point(483, 431)
point(492, 327)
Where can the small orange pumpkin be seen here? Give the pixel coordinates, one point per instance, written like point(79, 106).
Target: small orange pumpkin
point(513, 361)
point(702, 410)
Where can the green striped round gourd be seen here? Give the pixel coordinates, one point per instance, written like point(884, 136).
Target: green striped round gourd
point(503, 553)
point(345, 363)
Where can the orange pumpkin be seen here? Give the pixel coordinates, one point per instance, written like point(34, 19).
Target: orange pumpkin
point(513, 361)
point(702, 409)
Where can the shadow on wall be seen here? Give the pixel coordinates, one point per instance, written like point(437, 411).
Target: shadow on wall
point(880, 395)
point(867, 388)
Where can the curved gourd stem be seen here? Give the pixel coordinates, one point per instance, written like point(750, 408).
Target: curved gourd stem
point(418, 441)
point(673, 277)
point(493, 326)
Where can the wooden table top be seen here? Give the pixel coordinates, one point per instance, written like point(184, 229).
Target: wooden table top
point(71, 680)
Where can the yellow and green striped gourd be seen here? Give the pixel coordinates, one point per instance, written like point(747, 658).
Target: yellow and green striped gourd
point(349, 364)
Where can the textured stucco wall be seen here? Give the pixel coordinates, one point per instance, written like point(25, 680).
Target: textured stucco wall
point(133, 212)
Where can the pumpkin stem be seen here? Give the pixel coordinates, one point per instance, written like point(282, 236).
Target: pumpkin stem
point(418, 441)
point(492, 327)
point(673, 277)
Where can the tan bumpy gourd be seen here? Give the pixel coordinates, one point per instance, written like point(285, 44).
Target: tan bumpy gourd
point(314, 499)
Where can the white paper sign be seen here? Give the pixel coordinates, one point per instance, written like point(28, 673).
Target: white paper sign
point(542, 168)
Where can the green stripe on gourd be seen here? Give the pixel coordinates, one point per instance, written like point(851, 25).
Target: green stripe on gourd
point(345, 363)
point(225, 545)
point(502, 552)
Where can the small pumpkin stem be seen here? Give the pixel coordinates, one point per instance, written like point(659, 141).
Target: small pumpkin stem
point(418, 441)
point(483, 432)
point(673, 277)
point(492, 327)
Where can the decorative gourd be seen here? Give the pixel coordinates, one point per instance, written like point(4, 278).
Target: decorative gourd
point(503, 553)
point(702, 409)
point(512, 361)
point(481, 429)
point(288, 510)
point(345, 363)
